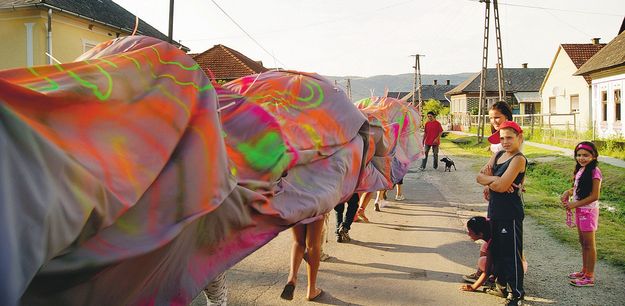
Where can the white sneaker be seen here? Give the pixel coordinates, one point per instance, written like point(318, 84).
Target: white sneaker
point(400, 197)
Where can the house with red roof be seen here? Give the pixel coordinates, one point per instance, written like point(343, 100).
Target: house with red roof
point(607, 70)
point(565, 95)
point(225, 64)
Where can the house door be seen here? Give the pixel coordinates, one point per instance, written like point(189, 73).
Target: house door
point(530, 108)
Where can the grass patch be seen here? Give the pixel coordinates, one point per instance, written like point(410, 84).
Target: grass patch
point(465, 146)
point(545, 182)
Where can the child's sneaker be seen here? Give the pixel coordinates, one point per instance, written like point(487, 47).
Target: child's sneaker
point(400, 197)
point(576, 275)
point(515, 301)
point(583, 282)
point(471, 278)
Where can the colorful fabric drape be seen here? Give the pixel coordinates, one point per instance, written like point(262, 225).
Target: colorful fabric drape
point(128, 178)
point(323, 126)
point(395, 132)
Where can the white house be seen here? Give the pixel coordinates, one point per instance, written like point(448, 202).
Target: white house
point(607, 71)
point(564, 93)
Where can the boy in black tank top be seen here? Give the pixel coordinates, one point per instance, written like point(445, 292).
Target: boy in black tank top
point(505, 209)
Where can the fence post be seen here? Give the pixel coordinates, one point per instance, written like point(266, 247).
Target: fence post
point(549, 118)
point(532, 125)
point(575, 123)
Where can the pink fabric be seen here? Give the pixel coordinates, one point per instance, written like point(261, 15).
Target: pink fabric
point(596, 175)
point(587, 220)
point(432, 130)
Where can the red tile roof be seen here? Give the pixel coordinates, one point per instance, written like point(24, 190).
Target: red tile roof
point(580, 53)
point(226, 63)
point(612, 56)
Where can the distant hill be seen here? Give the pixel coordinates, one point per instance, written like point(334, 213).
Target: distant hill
point(361, 87)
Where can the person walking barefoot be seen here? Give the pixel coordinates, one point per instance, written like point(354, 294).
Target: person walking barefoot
point(306, 239)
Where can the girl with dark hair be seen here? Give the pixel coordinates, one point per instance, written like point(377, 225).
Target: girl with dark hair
point(583, 197)
point(499, 113)
point(478, 228)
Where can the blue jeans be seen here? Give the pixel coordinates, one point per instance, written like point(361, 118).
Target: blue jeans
point(434, 153)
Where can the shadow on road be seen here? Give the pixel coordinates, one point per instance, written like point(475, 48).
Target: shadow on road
point(396, 272)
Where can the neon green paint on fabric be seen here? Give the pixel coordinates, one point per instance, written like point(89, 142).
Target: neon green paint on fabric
point(265, 153)
point(206, 87)
point(191, 68)
point(52, 85)
point(102, 96)
point(133, 60)
point(94, 88)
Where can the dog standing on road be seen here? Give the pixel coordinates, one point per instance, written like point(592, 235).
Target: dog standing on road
point(448, 163)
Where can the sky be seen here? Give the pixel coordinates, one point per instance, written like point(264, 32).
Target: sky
point(367, 37)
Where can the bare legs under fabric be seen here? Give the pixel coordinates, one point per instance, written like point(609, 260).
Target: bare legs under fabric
point(434, 153)
point(307, 238)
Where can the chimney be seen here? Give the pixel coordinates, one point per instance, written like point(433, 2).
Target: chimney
point(447, 82)
point(524, 65)
point(595, 41)
point(435, 82)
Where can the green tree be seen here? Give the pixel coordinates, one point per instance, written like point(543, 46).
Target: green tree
point(435, 106)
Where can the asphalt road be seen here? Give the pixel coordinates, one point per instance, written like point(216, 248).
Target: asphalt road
point(415, 252)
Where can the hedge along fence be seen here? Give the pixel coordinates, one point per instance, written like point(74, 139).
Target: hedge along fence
point(564, 130)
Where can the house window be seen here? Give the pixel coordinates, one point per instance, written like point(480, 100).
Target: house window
point(574, 103)
point(604, 106)
point(552, 105)
point(88, 45)
point(617, 104)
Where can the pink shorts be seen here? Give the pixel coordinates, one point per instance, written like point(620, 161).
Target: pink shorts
point(587, 219)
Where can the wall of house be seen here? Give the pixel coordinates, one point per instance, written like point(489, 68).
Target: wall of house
point(561, 84)
point(458, 104)
point(607, 123)
point(464, 103)
point(69, 36)
point(13, 32)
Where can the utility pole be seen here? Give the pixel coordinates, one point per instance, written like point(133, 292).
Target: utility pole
point(349, 89)
point(171, 21)
point(500, 76)
point(416, 87)
point(482, 101)
point(483, 74)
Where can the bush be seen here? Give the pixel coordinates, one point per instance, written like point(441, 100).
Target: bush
point(435, 106)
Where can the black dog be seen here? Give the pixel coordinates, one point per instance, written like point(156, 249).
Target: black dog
point(448, 163)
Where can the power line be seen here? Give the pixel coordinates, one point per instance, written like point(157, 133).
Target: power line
point(248, 34)
point(556, 9)
point(314, 24)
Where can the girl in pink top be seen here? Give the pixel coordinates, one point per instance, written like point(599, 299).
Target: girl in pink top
point(583, 197)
